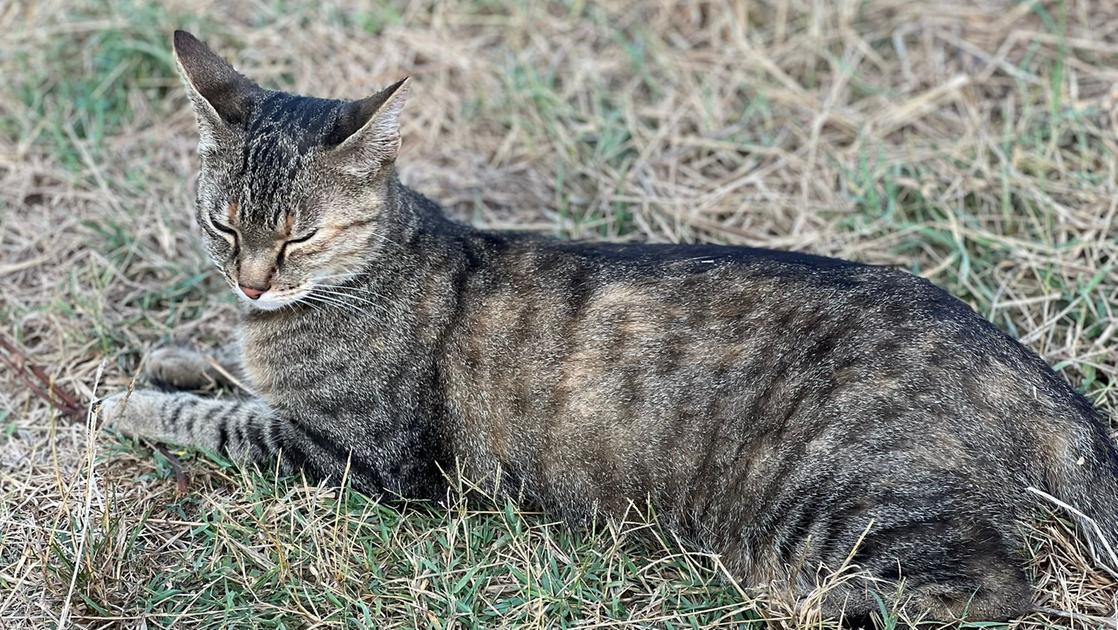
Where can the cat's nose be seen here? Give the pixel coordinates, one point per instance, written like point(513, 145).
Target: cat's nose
point(253, 293)
point(254, 274)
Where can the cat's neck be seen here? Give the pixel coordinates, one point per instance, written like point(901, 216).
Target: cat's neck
point(417, 215)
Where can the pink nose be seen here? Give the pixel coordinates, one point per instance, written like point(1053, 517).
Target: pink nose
point(253, 294)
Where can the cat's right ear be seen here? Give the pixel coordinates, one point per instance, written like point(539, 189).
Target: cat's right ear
point(223, 98)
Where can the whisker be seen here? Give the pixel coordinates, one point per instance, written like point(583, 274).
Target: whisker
point(350, 274)
point(344, 292)
point(334, 291)
point(332, 302)
point(384, 238)
point(332, 299)
point(335, 288)
point(349, 288)
point(340, 298)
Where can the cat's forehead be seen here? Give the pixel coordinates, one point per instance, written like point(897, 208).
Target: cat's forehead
point(280, 140)
point(301, 123)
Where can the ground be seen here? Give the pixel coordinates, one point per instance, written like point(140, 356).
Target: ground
point(972, 143)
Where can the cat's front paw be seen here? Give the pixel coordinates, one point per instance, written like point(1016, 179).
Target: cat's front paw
point(179, 368)
point(132, 413)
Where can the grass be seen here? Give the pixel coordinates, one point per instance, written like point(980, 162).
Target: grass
point(973, 145)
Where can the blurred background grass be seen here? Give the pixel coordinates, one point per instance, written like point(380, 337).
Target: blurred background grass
point(972, 143)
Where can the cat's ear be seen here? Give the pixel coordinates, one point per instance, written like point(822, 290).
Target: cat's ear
point(223, 98)
point(367, 132)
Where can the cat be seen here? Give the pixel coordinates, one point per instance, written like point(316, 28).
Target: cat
point(783, 410)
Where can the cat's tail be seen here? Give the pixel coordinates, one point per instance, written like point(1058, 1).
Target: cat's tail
point(1083, 480)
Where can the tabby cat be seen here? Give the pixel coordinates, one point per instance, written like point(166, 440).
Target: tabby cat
point(783, 410)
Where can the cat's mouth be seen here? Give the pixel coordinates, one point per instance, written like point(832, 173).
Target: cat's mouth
point(313, 295)
point(274, 301)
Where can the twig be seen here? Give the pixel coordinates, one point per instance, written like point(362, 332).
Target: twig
point(91, 427)
point(1110, 622)
point(39, 382)
point(1084, 521)
point(181, 483)
point(227, 375)
point(43, 386)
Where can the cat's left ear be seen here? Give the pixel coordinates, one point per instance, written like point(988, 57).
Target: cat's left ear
point(366, 135)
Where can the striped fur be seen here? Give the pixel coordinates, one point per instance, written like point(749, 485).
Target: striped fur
point(775, 408)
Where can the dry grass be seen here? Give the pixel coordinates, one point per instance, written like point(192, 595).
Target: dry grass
point(973, 143)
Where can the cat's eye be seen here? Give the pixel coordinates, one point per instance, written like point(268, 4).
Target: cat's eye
point(301, 239)
point(223, 228)
point(293, 241)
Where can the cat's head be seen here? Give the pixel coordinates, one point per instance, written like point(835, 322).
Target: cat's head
point(291, 188)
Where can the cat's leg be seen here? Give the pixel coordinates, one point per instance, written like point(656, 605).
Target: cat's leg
point(251, 432)
point(1001, 595)
point(179, 367)
point(954, 569)
point(245, 430)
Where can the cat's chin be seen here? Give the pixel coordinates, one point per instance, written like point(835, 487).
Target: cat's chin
point(269, 306)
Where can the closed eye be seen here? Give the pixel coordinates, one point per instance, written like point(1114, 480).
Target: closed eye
point(293, 241)
point(301, 239)
point(223, 228)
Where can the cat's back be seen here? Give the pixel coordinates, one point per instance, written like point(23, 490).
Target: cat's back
point(622, 347)
point(529, 304)
point(524, 282)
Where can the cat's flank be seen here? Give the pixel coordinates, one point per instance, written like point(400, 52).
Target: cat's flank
point(781, 410)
